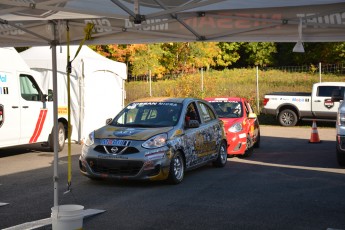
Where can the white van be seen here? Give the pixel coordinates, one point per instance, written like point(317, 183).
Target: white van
point(26, 114)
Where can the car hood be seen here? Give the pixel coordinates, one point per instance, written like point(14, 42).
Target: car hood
point(228, 122)
point(129, 133)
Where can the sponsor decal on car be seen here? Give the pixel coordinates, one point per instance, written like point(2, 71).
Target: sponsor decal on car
point(299, 99)
point(156, 154)
point(242, 135)
point(126, 132)
point(112, 156)
point(220, 99)
point(1, 115)
point(115, 142)
point(140, 104)
point(329, 103)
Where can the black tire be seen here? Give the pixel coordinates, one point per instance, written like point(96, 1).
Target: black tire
point(340, 157)
point(222, 156)
point(177, 170)
point(249, 149)
point(257, 143)
point(287, 117)
point(61, 138)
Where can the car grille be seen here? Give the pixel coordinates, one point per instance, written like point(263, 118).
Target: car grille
point(120, 149)
point(118, 168)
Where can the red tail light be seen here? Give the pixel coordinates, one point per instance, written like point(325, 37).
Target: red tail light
point(266, 100)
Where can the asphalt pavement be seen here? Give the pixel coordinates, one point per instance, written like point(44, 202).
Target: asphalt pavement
point(288, 183)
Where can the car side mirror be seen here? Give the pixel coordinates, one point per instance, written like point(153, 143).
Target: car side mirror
point(193, 124)
point(50, 95)
point(108, 121)
point(44, 97)
point(336, 95)
point(252, 116)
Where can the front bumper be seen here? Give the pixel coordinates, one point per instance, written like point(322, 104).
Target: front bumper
point(341, 143)
point(237, 143)
point(148, 165)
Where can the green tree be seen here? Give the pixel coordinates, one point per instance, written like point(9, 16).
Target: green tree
point(260, 53)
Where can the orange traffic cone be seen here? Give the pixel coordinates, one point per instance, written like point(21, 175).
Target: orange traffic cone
point(314, 138)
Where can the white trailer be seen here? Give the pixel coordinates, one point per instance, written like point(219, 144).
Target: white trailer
point(96, 85)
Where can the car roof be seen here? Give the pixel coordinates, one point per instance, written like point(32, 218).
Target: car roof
point(165, 99)
point(224, 99)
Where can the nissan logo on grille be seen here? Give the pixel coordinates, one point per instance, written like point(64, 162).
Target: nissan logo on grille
point(114, 149)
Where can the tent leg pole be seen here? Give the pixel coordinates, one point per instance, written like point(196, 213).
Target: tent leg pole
point(55, 111)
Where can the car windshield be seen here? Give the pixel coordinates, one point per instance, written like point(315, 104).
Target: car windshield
point(149, 114)
point(228, 109)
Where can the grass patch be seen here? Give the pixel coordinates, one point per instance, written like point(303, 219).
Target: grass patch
point(233, 83)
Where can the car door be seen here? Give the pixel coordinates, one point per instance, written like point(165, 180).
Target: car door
point(253, 122)
point(210, 132)
point(33, 112)
point(322, 105)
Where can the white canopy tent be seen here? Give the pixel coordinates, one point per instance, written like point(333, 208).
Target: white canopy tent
point(45, 22)
point(24, 23)
point(93, 78)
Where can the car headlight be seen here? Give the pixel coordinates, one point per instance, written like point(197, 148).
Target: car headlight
point(157, 141)
point(90, 139)
point(235, 128)
point(341, 119)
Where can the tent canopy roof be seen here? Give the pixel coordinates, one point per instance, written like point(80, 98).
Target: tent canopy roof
point(41, 57)
point(45, 22)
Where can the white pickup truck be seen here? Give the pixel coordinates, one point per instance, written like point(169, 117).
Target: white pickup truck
point(290, 107)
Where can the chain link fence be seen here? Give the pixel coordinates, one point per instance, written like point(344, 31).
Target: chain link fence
point(325, 68)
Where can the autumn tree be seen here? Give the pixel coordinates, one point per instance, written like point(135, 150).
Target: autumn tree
point(228, 54)
point(147, 58)
point(188, 57)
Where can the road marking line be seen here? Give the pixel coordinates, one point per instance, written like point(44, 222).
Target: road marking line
point(48, 221)
point(3, 204)
point(333, 170)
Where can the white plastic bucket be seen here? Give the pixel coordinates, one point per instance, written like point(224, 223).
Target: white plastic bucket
point(67, 217)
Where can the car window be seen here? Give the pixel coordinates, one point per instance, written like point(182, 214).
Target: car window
point(246, 108)
point(227, 109)
point(151, 114)
point(192, 113)
point(206, 112)
point(29, 89)
point(326, 91)
point(249, 108)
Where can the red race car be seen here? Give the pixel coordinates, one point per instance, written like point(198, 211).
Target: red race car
point(240, 122)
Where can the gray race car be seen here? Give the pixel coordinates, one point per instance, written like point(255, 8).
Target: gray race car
point(155, 139)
